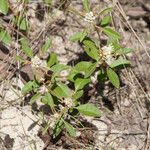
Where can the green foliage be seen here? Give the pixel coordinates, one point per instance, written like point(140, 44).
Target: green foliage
point(4, 6)
point(80, 83)
point(105, 11)
point(58, 68)
point(63, 94)
point(113, 77)
point(122, 51)
point(65, 90)
point(89, 110)
point(90, 70)
point(77, 95)
point(47, 45)
point(26, 48)
point(85, 68)
point(119, 62)
point(61, 91)
point(21, 22)
point(86, 5)
point(29, 86)
point(35, 97)
point(91, 49)
point(48, 99)
point(111, 33)
point(58, 127)
point(20, 59)
point(48, 2)
point(79, 36)
point(5, 36)
point(70, 129)
point(105, 21)
point(52, 60)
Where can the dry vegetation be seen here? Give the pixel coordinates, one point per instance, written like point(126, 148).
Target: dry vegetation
point(125, 122)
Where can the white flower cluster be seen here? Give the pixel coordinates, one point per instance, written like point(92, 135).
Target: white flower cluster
point(68, 102)
point(43, 89)
point(37, 62)
point(89, 17)
point(107, 54)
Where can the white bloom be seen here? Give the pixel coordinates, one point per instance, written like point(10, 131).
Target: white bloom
point(37, 62)
point(107, 50)
point(68, 102)
point(107, 54)
point(89, 17)
point(43, 89)
point(56, 115)
point(109, 60)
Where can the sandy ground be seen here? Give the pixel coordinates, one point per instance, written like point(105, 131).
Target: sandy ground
point(125, 123)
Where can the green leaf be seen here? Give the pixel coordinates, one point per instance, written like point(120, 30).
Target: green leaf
point(91, 49)
point(61, 91)
point(111, 33)
point(4, 6)
point(105, 21)
point(90, 70)
point(29, 86)
point(70, 129)
point(45, 129)
point(122, 51)
point(86, 5)
point(113, 77)
point(106, 11)
point(115, 44)
point(58, 127)
point(52, 60)
point(82, 66)
point(59, 67)
point(48, 99)
point(119, 62)
point(21, 22)
point(79, 36)
point(72, 74)
point(20, 59)
point(26, 48)
point(65, 89)
point(47, 45)
point(80, 83)
point(77, 94)
point(48, 2)
point(102, 76)
point(89, 110)
point(35, 97)
point(5, 37)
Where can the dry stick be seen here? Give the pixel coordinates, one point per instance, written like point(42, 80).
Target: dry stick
point(17, 50)
point(3, 144)
point(26, 135)
point(147, 96)
point(18, 33)
point(135, 34)
point(148, 134)
point(124, 16)
point(131, 82)
point(37, 38)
